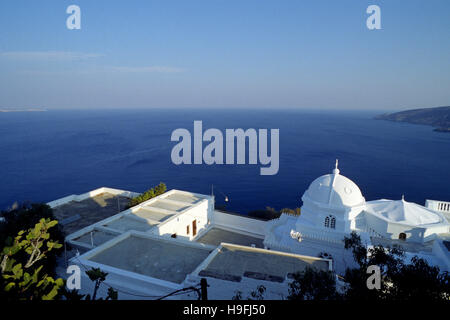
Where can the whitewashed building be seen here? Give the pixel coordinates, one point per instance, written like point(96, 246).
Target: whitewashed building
point(172, 241)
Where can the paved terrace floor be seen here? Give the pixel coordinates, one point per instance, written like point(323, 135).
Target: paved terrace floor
point(90, 210)
point(159, 259)
point(216, 236)
point(232, 263)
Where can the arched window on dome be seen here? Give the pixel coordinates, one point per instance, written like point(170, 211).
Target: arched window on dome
point(333, 223)
point(330, 222)
point(327, 222)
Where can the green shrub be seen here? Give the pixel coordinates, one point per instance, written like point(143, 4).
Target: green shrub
point(24, 217)
point(147, 195)
point(26, 280)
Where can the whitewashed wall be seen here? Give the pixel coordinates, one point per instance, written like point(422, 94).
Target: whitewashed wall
point(239, 223)
point(178, 224)
point(415, 234)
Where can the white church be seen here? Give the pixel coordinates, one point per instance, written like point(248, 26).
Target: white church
point(172, 241)
point(333, 207)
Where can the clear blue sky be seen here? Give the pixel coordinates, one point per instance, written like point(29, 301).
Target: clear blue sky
point(210, 53)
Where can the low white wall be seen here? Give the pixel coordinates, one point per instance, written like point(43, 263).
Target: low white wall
point(62, 201)
point(130, 286)
point(441, 206)
point(239, 223)
point(90, 194)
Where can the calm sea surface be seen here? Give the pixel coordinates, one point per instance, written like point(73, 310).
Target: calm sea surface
point(48, 155)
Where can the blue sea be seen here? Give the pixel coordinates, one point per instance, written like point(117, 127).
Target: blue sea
point(48, 155)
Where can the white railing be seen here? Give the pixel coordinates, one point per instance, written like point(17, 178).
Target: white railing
point(441, 206)
point(373, 233)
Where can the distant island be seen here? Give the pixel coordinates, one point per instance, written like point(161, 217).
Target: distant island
point(438, 117)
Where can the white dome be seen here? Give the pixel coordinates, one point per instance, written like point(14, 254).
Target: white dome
point(403, 212)
point(334, 190)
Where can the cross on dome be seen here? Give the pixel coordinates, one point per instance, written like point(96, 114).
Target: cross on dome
point(336, 169)
point(333, 191)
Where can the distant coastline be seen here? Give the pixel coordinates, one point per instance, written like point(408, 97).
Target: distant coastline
point(23, 110)
point(438, 117)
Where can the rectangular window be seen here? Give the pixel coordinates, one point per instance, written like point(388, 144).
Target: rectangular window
point(187, 229)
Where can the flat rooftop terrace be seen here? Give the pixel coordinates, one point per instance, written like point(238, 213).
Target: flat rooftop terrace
point(234, 262)
point(215, 236)
point(187, 198)
point(163, 259)
point(96, 237)
point(99, 220)
point(154, 212)
point(80, 214)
